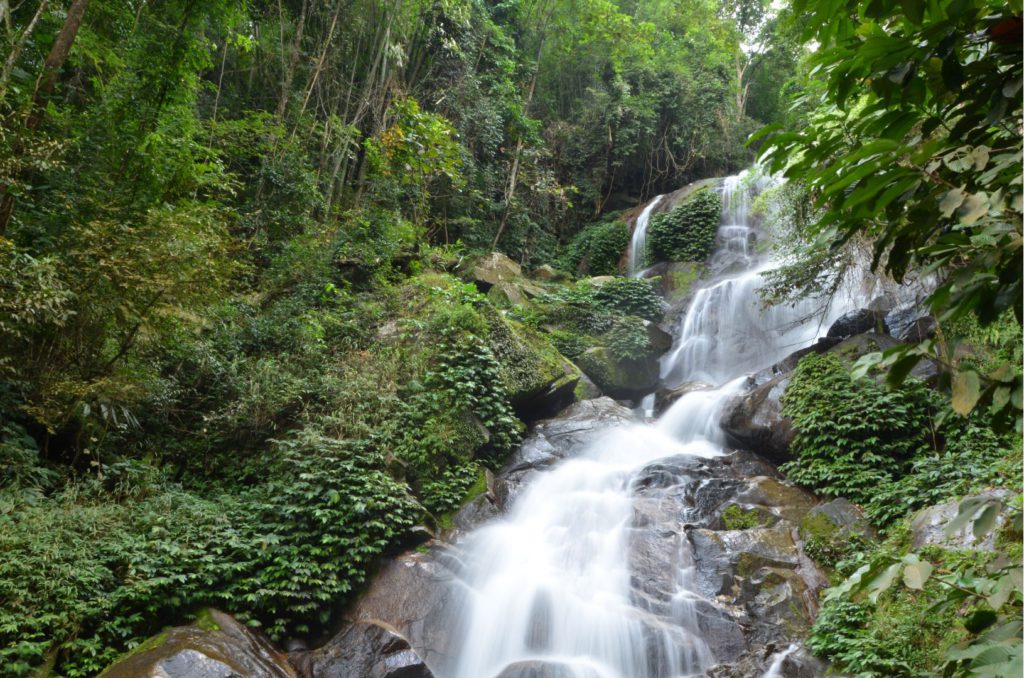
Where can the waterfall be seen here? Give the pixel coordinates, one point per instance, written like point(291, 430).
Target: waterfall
point(638, 243)
point(551, 580)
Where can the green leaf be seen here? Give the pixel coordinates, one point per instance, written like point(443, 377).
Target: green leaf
point(882, 582)
point(916, 572)
point(984, 523)
point(966, 391)
point(951, 201)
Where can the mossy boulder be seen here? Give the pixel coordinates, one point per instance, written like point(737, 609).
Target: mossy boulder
point(493, 269)
point(216, 645)
point(629, 378)
point(540, 381)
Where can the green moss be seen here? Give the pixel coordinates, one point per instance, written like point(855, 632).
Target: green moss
point(145, 646)
point(530, 364)
point(446, 520)
point(205, 621)
point(737, 518)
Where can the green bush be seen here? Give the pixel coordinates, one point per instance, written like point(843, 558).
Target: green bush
point(686, 233)
point(891, 451)
point(627, 339)
point(597, 249)
point(631, 296)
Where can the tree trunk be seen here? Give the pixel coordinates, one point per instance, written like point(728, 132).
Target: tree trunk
point(44, 87)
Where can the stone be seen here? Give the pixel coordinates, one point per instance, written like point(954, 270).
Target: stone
point(599, 280)
point(364, 649)
point(625, 379)
point(494, 268)
point(215, 646)
point(919, 330)
point(539, 668)
point(664, 398)
point(754, 421)
point(857, 322)
point(412, 599)
point(928, 526)
point(835, 520)
point(586, 389)
point(548, 272)
point(659, 339)
point(540, 380)
point(506, 293)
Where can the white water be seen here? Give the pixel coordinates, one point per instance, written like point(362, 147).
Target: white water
point(726, 331)
point(775, 668)
point(638, 243)
point(551, 580)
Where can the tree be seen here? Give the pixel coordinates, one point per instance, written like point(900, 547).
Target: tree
point(917, 147)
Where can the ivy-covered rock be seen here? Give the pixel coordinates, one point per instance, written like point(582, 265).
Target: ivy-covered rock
point(598, 248)
point(687, 232)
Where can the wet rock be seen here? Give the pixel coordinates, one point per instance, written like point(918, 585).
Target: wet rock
point(666, 397)
point(413, 600)
point(919, 330)
point(928, 526)
point(364, 649)
point(624, 379)
point(554, 439)
point(659, 339)
point(857, 322)
point(539, 668)
point(754, 421)
point(493, 269)
point(215, 646)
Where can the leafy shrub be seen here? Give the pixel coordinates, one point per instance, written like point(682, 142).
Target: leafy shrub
point(627, 339)
point(569, 344)
point(598, 248)
point(315, 529)
point(631, 296)
point(279, 555)
point(883, 449)
point(686, 233)
point(852, 437)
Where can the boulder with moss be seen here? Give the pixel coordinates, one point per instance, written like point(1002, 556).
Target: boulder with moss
point(540, 381)
point(628, 378)
point(215, 646)
point(493, 269)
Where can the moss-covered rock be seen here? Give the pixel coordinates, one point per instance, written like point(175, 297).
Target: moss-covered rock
point(540, 381)
point(630, 378)
point(215, 645)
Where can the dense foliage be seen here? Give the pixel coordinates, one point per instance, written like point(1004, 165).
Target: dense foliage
point(917, 148)
point(598, 248)
point(687, 232)
point(890, 451)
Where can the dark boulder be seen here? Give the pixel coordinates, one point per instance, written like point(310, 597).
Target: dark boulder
point(857, 322)
point(364, 649)
point(754, 421)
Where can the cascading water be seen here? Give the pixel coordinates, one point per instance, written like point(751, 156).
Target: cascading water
point(552, 580)
point(638, 243)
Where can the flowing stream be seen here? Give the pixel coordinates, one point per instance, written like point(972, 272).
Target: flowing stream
point(551, 580)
